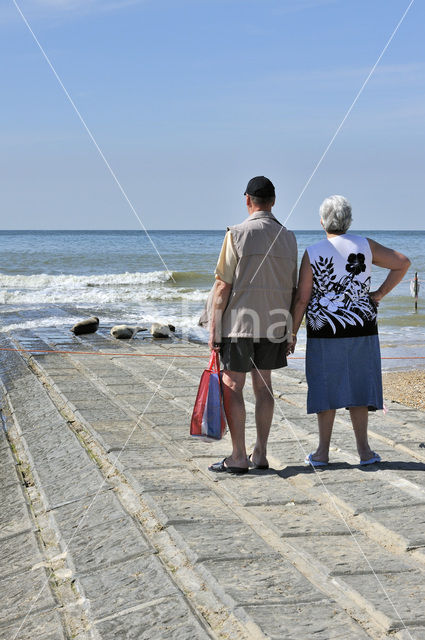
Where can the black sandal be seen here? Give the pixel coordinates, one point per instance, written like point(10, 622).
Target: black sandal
point(221, 467)
point(257, 466)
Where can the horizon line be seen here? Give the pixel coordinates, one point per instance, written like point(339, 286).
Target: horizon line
point(171, 229)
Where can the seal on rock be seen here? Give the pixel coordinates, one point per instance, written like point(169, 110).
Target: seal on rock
point(124, 332)
point(89, 325)
point(161, 330)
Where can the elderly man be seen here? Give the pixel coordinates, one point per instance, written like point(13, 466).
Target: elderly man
point(255, 280)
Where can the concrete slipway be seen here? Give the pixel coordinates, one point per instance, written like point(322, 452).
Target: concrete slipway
point(111, 526)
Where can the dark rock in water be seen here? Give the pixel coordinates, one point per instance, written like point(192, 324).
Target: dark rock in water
point(124, 332)
point(161, 330)
point(90, 325)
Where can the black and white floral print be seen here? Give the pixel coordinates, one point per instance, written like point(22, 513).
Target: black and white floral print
point(342, 302)
point(355, 264)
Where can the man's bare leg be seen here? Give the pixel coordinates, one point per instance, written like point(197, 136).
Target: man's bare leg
point(264, 406)
point(234, 405)
point(359, 418)
point(325, 420)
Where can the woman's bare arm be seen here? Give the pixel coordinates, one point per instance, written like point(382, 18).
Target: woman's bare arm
point(390, 259)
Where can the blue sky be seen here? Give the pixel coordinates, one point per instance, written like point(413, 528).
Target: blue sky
point(188, 99)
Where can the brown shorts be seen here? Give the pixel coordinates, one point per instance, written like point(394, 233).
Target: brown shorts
point(244, 354)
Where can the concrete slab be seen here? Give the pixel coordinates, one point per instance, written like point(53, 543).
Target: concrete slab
point(262, 581)
point(64, 469)
point(405, 601)
point(264, 488)
point(114, 435)
point(14, 515)
point(20, 595)
point(116, 589)
point(144, 402)
point(47, 626)
point(145, 457)
point(94, 509)
point(132, 387)
point(408, 523)
point(413, 472)
point(290, 452)
point(222, 539)
point(299, 520)
point(92, 548)
point(8, 471)
point(189, 506)
point(368, 495)
point(102, 413)
point(159, 405)
point(346, 555)
point(319, 620)
point(37, 419)
point(174, 421)
point(212, 451)
point(167, 619)
point(413, 633)
point(19, 553)
point(153, 480)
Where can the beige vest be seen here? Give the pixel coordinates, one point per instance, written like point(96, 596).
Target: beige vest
point(260, 300)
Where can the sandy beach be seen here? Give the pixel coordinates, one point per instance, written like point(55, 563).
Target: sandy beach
point(405, 387)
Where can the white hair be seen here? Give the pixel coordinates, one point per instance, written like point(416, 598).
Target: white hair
point(335, 212)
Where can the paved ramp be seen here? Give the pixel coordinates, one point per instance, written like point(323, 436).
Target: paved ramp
point(111, 526)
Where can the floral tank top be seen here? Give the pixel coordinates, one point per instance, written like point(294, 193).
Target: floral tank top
point(340, 305)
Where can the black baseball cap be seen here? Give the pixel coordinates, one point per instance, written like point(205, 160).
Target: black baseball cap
point(260, 187)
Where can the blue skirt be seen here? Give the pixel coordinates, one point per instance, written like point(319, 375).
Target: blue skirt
point(343, 372)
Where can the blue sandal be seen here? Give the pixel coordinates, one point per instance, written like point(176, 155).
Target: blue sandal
point(375, 458)
point(314, 463)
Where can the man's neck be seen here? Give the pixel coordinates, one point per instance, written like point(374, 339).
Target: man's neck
point(252, 210)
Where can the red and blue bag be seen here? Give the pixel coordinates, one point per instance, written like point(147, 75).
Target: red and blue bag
point(208, 418)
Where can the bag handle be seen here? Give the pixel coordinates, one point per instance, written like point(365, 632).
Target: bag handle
point(214, 363)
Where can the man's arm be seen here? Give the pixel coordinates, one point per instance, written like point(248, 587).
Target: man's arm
point(220, 300)
point(224, 273)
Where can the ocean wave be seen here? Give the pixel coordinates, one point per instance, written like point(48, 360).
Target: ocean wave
point(191, 276)
point(100, 297)
point(48, 281)
point(100, 289)
point(45, 280)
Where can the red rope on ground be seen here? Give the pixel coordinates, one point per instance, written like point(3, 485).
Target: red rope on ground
point(165, 355)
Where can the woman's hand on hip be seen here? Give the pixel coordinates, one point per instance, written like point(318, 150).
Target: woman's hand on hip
point(376, 296)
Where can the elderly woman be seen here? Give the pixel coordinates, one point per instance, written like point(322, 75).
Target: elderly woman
point(343, 362)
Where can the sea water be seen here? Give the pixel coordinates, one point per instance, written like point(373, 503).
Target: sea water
point(53, 278)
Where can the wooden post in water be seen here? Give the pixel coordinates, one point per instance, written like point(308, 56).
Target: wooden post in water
point(416, 291)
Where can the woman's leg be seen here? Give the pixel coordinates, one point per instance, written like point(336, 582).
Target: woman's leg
point(359, 418)
point(325, 420)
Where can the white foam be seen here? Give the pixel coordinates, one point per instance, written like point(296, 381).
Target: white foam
point(71, 281)
point(95, 290)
